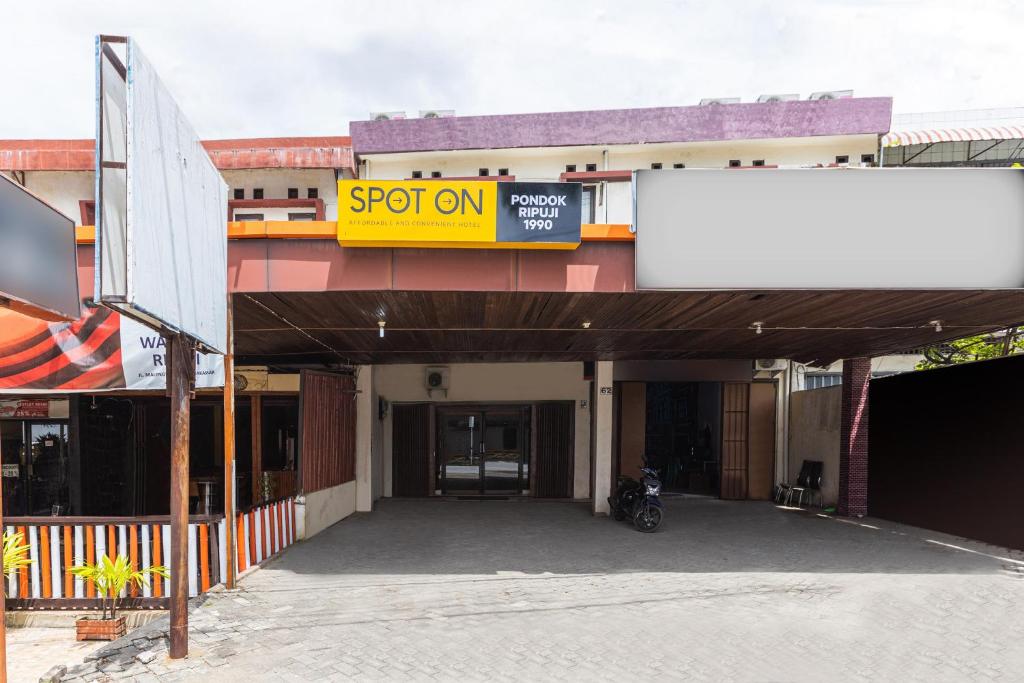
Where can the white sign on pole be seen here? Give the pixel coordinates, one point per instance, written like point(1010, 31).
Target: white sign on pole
point(161, 204)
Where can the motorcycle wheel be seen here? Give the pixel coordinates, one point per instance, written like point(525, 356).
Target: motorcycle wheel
point(647, 519)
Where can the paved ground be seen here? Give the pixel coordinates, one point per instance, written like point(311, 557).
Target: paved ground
point(31, 651)
point(541, 591)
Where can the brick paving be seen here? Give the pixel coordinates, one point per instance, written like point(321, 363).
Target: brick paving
point(437, 590)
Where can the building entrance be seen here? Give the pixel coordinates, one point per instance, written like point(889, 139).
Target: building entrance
point(483, 451)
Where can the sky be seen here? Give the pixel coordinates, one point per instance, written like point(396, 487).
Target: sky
point(295, 67)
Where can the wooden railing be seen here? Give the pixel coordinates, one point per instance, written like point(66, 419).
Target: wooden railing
point(56, 544)
point(264, 530)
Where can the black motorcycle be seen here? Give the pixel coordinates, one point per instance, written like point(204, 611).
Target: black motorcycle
point(638, 500)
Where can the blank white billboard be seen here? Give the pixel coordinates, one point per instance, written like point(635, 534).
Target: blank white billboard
point(861, 228)
point(161, 205)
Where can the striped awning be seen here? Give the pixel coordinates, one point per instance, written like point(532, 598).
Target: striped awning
point(902, 138)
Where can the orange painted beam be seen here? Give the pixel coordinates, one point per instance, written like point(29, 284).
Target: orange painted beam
point(69, 551)
point(328, 230)
point(44, 560)
point(607, 232)
point(158, 582)
point(85, 234)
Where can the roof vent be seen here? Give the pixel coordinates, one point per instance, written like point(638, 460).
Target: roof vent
point(437, 113)
point(787, 97)
point(831, 95)
point(707, 101)
point(387, 115)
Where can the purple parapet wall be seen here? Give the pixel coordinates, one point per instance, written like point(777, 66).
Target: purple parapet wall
point(794, 119)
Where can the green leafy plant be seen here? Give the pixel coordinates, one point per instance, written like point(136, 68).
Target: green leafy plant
point(113, 576)
point(978, 347)
point(15, 553)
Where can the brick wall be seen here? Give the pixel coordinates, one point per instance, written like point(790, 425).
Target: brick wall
point(853, 435)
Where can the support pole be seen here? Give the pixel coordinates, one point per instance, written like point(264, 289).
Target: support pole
point(3, 603)
point(853, 438)
point(229, 454)
point(182, 364)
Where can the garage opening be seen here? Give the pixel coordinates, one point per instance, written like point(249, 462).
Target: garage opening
point(704, 438)
point(483, 450)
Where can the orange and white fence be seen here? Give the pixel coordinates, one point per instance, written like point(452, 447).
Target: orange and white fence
point(264, 531)
point(56, 544)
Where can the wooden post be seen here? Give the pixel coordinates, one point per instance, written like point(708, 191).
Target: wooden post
point(3, 603)
point(229, 454)
point(181, 369)
point(257, 449)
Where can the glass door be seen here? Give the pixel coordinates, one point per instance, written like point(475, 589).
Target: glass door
point(48, 468)
point(459, 453)
point(503, 448)
point(483, 452)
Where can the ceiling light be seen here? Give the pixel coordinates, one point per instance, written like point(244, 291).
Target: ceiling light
point(380, 326)
point(586, 325)
point(937, 324)
point(757, 327)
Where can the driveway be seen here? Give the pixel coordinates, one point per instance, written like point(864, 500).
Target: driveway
point(542, 590)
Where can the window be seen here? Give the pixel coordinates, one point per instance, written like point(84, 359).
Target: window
point(312, 193)
point(867, 158)
point(248, 216)
point(656, 166)
point(280, 422)
point(257, 193)
point(87, 209)
point(36, 470)
point(503, 171)
point(822, 380)
point(587, 203)
point(678, 165)
point(435, 174)
point(239, 193)
point(484, 172)
point(570, 168)
point(301, 216)
point(293, 193)
point(758, 162)
point(842, 159)
point(417, 174)
point(591, 168)
point(734, 163)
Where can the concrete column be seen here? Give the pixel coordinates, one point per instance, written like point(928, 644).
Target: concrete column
point(602, 416)
point(853, 438)
point(366, 414)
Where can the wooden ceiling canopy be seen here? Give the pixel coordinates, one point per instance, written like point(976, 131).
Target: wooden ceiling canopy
point(316, 328)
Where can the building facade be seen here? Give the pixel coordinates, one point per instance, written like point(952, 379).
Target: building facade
point(369, 372)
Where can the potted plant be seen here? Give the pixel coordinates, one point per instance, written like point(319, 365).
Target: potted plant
point(111, 577)
point(15, 554)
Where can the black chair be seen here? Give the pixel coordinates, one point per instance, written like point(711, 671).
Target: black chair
point(808, 481)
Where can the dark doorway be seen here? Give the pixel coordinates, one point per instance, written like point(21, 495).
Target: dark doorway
point(410, 448)
point(483, 451)
point(555, 435)
point(682, 420)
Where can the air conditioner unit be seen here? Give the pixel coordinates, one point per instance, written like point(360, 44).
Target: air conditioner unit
point(831, 95)
point(787, 97)
point(769, 364)
point(436, 113)
point(436, 379)
point(719, 100)
point(387, 115)
point(251, 378)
